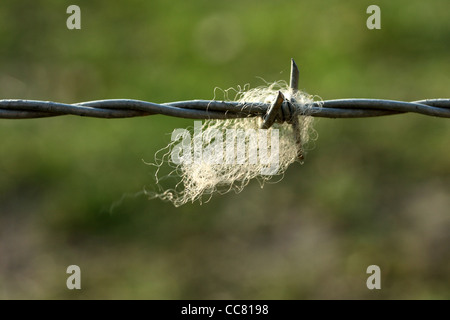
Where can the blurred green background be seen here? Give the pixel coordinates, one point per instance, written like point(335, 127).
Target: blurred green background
point(372, 191)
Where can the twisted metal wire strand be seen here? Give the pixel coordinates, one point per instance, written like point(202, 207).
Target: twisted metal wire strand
point(211, 109)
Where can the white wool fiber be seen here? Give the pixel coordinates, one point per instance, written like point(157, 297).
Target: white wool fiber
point(199, 178)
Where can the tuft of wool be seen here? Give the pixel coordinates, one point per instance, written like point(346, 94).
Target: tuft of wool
point(221, 169)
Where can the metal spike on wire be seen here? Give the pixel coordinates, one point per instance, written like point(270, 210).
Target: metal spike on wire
point(286, 112)
point(212, 109)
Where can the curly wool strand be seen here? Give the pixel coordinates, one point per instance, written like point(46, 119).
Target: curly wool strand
point(201, 177)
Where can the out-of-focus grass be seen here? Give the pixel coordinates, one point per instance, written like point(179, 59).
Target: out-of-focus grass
point(373, 191)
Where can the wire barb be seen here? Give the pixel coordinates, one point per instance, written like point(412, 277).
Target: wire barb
point(294, 119)
point(274, 109)
point(293, 84)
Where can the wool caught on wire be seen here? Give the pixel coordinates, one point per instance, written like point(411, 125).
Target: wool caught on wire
point(219, 156)
point(234, 145)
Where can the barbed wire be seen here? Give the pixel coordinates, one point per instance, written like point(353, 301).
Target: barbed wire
point(213, 109)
